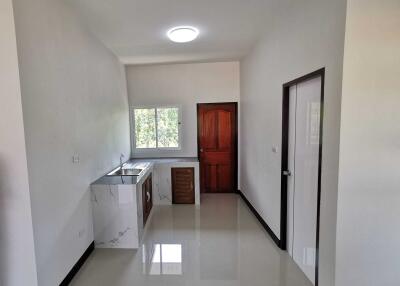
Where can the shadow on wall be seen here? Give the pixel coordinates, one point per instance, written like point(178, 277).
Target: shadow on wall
point(81, 236)
point(17, 254)
point(5, 197)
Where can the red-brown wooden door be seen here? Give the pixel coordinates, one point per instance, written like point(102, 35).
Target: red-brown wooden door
point(217, 136)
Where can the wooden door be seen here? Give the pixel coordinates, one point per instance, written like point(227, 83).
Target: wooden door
point(217, 140)
point(182, 185)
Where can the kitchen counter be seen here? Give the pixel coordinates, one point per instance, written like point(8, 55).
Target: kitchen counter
point(119, 202)
point(133, 180)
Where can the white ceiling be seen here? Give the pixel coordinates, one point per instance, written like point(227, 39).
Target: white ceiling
point(135, 30)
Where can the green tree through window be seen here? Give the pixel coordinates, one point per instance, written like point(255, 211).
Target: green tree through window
point(156, 127)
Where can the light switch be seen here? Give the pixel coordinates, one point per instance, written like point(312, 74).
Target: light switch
point(75, 159)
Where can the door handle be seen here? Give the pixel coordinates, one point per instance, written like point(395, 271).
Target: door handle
point(287, 173)
point(201, 150)
point(148, 196)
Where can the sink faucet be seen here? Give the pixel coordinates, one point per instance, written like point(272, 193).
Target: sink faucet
point(121, 162)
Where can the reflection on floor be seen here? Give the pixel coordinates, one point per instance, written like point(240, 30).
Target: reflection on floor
point(220, 243)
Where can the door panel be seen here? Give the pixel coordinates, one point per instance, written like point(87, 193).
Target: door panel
point(217, 147)
point(210, 128)
point(303, 162)
point(225, 176)
point(211, 175)
point(224, 123)
point(291, 166)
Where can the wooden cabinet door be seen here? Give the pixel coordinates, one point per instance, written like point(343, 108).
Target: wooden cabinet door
point(144, 199)
point(182, 185)
point(217, 136)
point(147, 197)
point(149, 202)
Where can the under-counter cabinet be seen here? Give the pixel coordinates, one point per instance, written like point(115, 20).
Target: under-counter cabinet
point(118, 208)
point(183, 185)
point(147, 197)
point(122, 204)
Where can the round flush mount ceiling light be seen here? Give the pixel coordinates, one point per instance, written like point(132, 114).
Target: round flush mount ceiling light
point(183, 34)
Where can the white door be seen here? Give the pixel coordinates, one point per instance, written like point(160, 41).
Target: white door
point(303, 158)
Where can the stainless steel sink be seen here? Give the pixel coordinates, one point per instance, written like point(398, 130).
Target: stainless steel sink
point(126, 172)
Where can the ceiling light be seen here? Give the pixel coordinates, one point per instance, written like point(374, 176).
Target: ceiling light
point(183, 34)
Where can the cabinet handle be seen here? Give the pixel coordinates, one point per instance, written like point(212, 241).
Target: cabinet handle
point(148, 196)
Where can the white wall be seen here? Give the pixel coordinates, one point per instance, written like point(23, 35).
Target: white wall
point(74, 103)
point(368, 240)
point(17, 256)
point(301, 36)
point(185, 85)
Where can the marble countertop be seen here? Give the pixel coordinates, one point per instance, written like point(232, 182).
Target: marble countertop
point(133, 180)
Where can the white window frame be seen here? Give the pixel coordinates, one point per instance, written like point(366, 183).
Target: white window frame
point(157, 149)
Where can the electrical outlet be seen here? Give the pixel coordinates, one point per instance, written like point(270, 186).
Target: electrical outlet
point(81, 233)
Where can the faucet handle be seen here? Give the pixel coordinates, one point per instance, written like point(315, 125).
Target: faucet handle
point(121, 160)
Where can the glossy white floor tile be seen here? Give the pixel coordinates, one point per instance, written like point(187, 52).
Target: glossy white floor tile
point(219, 243)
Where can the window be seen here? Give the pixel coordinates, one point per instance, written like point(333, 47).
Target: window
point(157, 128)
